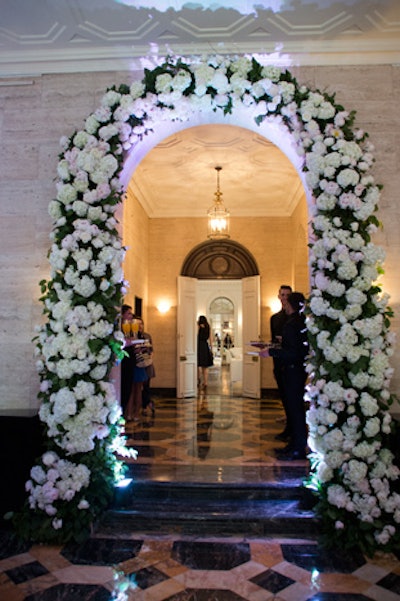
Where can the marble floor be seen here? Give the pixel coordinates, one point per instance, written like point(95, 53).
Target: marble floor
point(218, 437)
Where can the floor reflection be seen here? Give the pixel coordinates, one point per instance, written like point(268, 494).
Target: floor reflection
point(219, 436)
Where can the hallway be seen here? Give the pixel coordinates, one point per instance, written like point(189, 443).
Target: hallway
point(215, 438)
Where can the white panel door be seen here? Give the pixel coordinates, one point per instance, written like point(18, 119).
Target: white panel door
point(251, 331)
point(187, 338)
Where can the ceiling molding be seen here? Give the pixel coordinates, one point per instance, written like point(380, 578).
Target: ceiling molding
point(81, 36)
point(78, 60)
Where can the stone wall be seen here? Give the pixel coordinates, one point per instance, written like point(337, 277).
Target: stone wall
point(36, 112)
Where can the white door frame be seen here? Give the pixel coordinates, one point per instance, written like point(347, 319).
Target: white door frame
point(251, 331)
point(186, 338)
point(248, 319)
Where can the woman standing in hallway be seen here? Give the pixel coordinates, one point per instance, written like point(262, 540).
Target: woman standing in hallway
point(204, 354)
point(134, 405)
point(134, 376)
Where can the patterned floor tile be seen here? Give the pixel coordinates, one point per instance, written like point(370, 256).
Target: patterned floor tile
point(238, 450)
point(210, 556)
point(313, 557)
point(10, 545)
point(147, 577)
point(72, 592)
point(391, 582)
point(26, 572)
point(339, 597)
point(272, 581)
point(102, 552)
point(205, 595)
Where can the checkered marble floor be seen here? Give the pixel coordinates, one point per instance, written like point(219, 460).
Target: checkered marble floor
point(172, 568)
point(218, 437)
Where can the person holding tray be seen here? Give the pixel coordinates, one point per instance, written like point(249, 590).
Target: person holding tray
point(292, 353)
point(138, 374)
point(277, 322)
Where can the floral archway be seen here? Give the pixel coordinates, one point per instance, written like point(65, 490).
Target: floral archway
point(352, 469)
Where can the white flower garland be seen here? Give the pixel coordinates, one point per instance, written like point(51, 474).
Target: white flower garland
point(347, 316)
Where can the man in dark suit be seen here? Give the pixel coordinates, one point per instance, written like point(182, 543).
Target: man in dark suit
point(293, 353)
point(277, 322)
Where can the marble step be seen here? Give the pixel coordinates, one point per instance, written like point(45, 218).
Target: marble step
point(210, 510)
point(148, 489)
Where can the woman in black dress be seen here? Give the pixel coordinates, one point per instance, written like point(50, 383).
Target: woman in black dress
point(204, 354)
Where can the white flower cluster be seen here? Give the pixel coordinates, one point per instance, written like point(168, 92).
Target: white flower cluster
point(65, 342)
point(350, 342)
point(346, 321)
point(366, 490)
point(214, 84)
point(74, 348)
point(77, 418)
point(56, 480)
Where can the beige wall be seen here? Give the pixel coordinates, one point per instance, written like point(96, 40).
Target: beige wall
point(273, 242)
point(135, 226)
point(35, 115)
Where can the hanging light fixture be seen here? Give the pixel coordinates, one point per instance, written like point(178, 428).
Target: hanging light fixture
point(218, 216)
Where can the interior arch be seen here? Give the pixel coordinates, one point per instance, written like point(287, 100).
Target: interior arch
point(243, 117)
point(219, 259)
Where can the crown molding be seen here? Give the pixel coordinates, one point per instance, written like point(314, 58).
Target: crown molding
point(121, 58)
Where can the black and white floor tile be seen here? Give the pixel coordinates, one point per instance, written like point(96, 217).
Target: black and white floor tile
point(218, 437)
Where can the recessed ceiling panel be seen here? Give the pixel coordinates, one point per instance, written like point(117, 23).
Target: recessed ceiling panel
point(178, 177)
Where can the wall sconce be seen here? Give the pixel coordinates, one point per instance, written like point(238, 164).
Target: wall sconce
point(163, 306)
point(275, 305)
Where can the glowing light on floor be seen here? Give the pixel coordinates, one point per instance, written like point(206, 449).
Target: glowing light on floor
point(124, 483)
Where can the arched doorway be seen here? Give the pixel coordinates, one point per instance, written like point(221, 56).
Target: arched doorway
point(222, 323)
point(207, 267)
point(167, 197)
point(310, 123)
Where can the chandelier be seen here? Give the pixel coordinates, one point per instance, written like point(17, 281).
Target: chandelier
point(218, 216)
